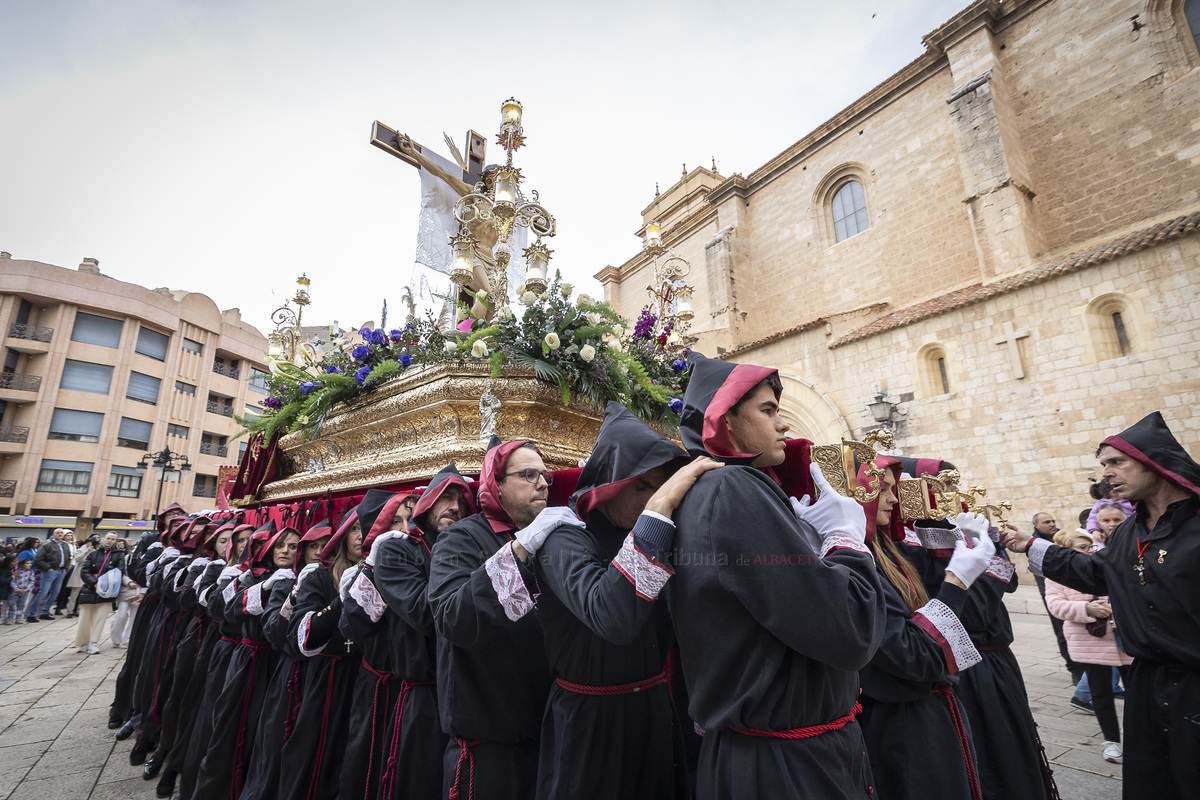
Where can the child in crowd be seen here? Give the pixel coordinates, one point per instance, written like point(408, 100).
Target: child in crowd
point(22, 585)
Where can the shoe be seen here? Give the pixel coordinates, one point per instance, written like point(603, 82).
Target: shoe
point(137, 756)
point(1083, 705)
point(31, 619)
point(73, 614)
point(151, 769)
point(82, 650)
point(1113, 753)
point(20, 620)
point(114, 720)
point(126, 731)
point(166, 784)
point(46, 617)
point(58, 612)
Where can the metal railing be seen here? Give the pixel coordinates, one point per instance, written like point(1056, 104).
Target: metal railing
point(220, 408)
point(19, 330)
point(20, 383)
point(8, 488)
point(204, 491)
point(214, 449)
point(228, 370)
point(14, 433)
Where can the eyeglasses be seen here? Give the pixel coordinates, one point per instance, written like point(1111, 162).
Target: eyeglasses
point(532, 475)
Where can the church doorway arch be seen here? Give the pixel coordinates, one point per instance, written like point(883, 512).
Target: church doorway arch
point(810, 411)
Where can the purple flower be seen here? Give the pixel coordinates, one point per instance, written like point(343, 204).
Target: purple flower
point(360, 352)
point(378, 337)
point(365, 333)
point(644, 327)
point(405, 359)
point(272, 402)
point(395, 336)
point(333, 369)
point(679, 365)
point(676, 405)
point(308, 387)
point(360, 377)
point(410, 327)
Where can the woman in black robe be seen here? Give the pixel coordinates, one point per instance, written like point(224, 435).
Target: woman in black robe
point(227, 636)
point(610, 729)
point(314, 751)
point(284, 692)
point(911, 715)
point(235, 718)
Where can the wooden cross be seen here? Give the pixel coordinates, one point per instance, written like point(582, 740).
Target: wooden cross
point(1011, 338)
point(408, 151)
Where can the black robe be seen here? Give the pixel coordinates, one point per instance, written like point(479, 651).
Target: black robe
point(157, 676)
point(189, 636)
point(414, 741)
point(771, 632)
point(493, 678)
point(1150, 577)
point(123, 695)
point(313, 753)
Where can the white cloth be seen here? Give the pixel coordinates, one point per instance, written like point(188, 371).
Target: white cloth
point(534, 535)
point(831, 513)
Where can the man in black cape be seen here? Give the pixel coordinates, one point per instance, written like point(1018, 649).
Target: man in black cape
point(610, 729)
point(1150, 568)
point(772, 630)
point(492, 672)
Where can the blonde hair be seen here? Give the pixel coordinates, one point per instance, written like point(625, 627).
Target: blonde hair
point(899, 571)
point(1068, 538)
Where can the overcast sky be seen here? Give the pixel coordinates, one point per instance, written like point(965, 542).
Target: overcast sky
point(222, 147)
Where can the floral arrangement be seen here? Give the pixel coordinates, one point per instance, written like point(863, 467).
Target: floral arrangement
point(583, 347)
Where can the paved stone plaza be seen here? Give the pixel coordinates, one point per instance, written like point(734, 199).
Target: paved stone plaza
point(54, 742)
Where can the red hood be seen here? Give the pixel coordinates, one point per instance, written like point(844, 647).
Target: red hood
point(495, 463)
point(895, 524)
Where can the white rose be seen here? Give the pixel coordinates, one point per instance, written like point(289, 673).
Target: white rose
point(506, 314)
point(481, 296)
point(520, 290)
point(614, 345)
point(567, 288)
point(587, 352)
point(479, 349)
point(584, 300)
point(528, 298)
point(593, 318)
point(451, 345)
point(462, 314)
point(552, 341)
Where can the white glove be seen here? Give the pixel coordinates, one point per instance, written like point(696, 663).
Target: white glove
point(348, 578)
point(377, 545)
point(534, 535)
point(973, 526)
point(968, 562)
point(832, 513)
point(277, 576)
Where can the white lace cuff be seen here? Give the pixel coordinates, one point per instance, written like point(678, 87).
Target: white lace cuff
point(647, 575)
point(252, 604)
point(938, 539)
point(506, 579)
point(363, 592)
point(302, 636)
point(1037, 554)
point(843, 541)
point(1001, 569)
point(936, 619)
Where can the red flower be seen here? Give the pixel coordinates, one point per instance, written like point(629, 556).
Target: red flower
point(662, 338)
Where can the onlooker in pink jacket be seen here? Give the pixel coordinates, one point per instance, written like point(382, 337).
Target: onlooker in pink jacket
point(1088, 627)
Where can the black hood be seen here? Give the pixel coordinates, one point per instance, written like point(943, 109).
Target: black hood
point(713, 388)
point(625, 448)
point(446, 477)
point(1151, 443)
point(916, 467)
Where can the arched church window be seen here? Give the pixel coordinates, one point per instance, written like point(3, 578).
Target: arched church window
point(1112, 325)
point(933, 370)
point(849, 208)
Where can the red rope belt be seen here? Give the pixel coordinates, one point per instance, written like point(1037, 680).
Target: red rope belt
point(610, 691)
point(239, 764)
point(381, 680)
point(987, 648)
point(806, 733)
point(464, 756)
point(295, 692)
point(389, 772)
point(229, 639)
point(964, 743)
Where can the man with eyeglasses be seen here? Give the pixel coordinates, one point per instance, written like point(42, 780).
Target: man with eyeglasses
point(492, 673)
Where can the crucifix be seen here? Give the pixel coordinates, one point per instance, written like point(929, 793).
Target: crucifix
point(408, 151)
point(1011, 338)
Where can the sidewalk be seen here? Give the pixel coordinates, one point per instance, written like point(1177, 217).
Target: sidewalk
point(54, 742)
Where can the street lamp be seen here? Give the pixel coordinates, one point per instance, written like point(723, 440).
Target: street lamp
point(286, 342)
point(165, 461)
point(670, 297)
point(884, 409)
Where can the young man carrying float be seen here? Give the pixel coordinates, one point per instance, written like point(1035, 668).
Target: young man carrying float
point(772, 630)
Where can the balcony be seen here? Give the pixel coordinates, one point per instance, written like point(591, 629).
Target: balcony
point(219, 408)
point(29, 338)
point(13, 439)
point(8, 488)
point(204, 491)
point(213, 449)
point(19, 388)
point(228, 370)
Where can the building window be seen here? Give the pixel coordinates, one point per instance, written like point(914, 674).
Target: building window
point(1191, 10)
point(64, 477)
point(253, 412)
point(933, 370)
point(69, 425)
point(185, 388)
point(220, 405)
point(143, 388)
point(91, 329)
point(124, 482)
point(228, 368)
point(80, 376)
point(1112, 325)
point(849, 208)
point(213, 444)
point(205, 486)
point(192, 346)
point(258, 381)
point(152, 344)
point(178, 431)
point(134, 433)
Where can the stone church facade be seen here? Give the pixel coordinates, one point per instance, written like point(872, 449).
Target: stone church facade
point(1001, 237)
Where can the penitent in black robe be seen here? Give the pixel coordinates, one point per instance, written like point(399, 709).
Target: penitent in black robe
point(123, 696)
point(771, 631)
point(491, 665)
point(610, 730)
point(313, 752)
